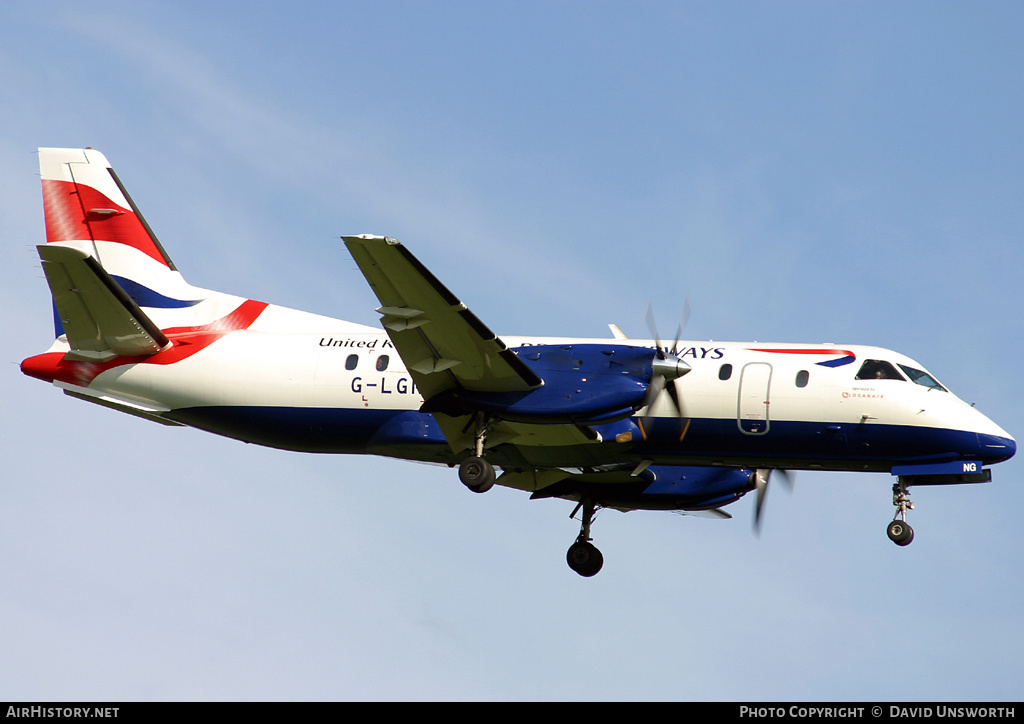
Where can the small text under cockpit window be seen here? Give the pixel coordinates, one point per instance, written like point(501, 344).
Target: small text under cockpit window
point(922, 378)
point(878, 369)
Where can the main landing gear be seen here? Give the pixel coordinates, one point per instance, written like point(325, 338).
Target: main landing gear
point(899, 530)
point(475, 472)
point(583, 556)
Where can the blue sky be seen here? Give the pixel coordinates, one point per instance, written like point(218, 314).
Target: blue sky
point(803, 172)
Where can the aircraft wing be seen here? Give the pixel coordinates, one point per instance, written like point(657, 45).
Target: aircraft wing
point(443, 344)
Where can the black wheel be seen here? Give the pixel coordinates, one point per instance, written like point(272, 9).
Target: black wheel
point(900, 533)
point(476, 474)
point(584, 558)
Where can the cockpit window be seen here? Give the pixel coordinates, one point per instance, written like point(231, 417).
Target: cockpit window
point(878, 369)
point(922, 378)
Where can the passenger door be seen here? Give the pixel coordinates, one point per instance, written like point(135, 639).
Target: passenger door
point(752, 409)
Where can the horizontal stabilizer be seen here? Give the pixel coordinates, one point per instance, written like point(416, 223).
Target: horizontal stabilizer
point(99, 318)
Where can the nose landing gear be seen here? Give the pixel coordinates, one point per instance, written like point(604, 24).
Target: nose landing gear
point(583, 556)
point(899, 530)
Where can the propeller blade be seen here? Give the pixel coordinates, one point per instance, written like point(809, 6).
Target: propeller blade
point(683, 320)
point(653, 390)
point(762, 476)
point(673, 394)
point(649, 317)
point(666, 375)
point(684, 421)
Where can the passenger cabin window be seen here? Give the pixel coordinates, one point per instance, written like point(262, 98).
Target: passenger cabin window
point(878, 369)
point(725, 372)
point(382, 363)
point(801, 378)
point(922, 378)
point(351, 361)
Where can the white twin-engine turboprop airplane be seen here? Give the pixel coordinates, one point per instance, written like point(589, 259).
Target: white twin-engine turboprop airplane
point(619, 423)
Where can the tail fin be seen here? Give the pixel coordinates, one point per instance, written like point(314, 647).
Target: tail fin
point(118, 300)
point(85, 202)
point(102, 260)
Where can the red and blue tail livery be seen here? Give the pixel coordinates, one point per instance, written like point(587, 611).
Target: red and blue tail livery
point(631, 424)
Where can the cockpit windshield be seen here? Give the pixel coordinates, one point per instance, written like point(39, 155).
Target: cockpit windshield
point(878, 369)
point(922, 378)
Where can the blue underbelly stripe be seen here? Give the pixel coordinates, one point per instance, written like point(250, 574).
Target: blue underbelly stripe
point(816, 443)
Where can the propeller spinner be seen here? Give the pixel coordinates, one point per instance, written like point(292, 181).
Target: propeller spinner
point(666, 366)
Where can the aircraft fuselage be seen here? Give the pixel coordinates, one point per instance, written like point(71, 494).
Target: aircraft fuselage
point(744, 404)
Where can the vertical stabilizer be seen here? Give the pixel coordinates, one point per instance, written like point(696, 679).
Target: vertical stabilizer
point(84, 201)
point(88, 210)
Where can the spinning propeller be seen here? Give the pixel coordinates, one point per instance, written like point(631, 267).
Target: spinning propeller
point(761, 478)
point(666, 367)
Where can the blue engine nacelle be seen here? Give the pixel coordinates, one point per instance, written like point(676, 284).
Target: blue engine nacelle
point(696, 488)
point(659, 487)
point(583, 384)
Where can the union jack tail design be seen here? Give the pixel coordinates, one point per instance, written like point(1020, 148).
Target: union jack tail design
point(117, 297)
point(114, 286)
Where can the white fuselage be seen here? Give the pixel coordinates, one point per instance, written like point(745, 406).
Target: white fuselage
point(301, 381)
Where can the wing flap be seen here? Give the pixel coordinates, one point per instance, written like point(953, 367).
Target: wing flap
point(458, 431)
point(100, 320)
point(443, 344)
point(710, 513)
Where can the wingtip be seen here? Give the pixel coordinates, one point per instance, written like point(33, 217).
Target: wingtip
point(355, 238)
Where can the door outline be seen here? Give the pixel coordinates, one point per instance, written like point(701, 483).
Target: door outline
point(753, 400)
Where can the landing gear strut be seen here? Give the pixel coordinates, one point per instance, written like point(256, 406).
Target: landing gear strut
point(899, 530)
point(475, 472)
point(583, 556)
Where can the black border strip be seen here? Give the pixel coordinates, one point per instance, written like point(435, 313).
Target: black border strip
point(142, 219)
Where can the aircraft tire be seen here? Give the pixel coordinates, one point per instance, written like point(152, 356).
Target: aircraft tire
point(584, 558)
point(476, 474)
point(900, 533)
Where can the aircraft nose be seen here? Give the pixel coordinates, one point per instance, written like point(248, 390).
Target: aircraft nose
point(996, 448)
